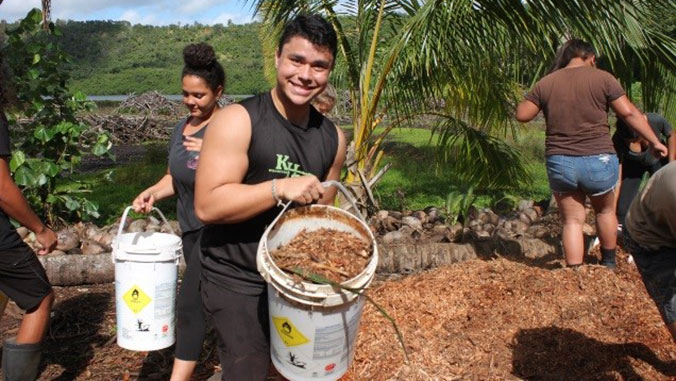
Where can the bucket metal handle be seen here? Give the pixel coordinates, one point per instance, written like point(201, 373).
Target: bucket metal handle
point(121, 228)
point(347, 195)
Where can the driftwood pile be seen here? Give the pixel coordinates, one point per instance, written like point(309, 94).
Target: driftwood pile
point(149, 116)
point(150, 103)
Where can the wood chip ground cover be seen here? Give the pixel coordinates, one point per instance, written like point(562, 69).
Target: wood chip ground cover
point(479, 320)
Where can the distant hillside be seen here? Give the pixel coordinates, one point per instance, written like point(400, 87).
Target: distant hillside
point(114, 57)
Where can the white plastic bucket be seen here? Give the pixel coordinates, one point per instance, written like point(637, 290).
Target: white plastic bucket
point(146, 272)
point(313, 327)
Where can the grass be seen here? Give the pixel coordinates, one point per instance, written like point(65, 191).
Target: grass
point(115, 189)
point(414, 181)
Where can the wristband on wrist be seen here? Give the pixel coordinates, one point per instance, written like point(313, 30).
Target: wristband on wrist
point(274, 193)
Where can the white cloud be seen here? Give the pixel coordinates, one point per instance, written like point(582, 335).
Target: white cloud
point(237, 18)
point(135, 18)
point(154, 12)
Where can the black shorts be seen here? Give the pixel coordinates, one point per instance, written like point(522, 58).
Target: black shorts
point(22, 277)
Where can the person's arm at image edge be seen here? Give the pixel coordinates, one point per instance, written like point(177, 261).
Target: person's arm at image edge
point(15, 205)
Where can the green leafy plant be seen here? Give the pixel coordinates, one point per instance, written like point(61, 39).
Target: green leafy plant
point(458, 204)
point(52, 142)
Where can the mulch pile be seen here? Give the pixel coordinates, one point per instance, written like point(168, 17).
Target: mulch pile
point(332, 254)
point(494, 318)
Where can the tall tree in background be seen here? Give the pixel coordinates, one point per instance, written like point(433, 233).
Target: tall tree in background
point(46, 13)
point(401, 57)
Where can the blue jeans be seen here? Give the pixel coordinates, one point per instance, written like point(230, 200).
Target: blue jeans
point(658, 271)
point(594, 175)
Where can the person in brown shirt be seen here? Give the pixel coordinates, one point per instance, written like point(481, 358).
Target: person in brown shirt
point(575, 97)
point(650, 236)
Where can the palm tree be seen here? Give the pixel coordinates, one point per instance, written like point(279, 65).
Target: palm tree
point(399, 57)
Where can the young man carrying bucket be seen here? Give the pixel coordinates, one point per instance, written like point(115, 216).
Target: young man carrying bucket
point(22, 277)
point(266, 150)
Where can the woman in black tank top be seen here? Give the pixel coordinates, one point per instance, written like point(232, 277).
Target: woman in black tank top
point(203, 80)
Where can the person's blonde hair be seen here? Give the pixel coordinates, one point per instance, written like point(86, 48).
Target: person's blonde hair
point(328, 97)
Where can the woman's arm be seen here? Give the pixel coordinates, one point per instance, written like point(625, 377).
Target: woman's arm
point(526, 111)
point(143, 203)
point(627, 111)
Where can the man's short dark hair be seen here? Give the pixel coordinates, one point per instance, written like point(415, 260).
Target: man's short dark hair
point(313, 28)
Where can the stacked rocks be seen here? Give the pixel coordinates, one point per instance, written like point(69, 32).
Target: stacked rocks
point(87, 238)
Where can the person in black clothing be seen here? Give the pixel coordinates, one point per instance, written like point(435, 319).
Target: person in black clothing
point(635, 158)
point(22, 277)
point(203, 80)
point(266, 150)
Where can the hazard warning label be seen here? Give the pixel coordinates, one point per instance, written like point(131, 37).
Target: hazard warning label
point(136, 299)
point(290, 335)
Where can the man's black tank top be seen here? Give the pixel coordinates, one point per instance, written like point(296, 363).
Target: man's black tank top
point(277, 149)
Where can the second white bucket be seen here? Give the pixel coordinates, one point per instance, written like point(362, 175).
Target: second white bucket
point(313, 327)
point(146, 273)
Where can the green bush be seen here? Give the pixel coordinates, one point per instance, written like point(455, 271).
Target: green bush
point(53, 142)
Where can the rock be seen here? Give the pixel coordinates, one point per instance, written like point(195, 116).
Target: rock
point(483, 217)
point(75, 251)
point(152, 228)
point(391, 224)
point(519, 227)
point(532, 214)
point(525, 204)
point(523, 217)
point(153, 220)
point(475, 225)
point(412, 222)
point(392, 237)
point(137, 226)
point(439, 229)
point(432, 214)
point(382, 214)
point(90, 231)
point(420, 215)
point(588, 229)
point(409, 233)
point(57, 252)
point(30, 238)
point(22, 231)
point(174, 225)
point(472, 213)
point(538, 231)
point(67, 240)
point(455, 232)
point(493, 218)
point(89, 246)
point(396, 215)
point(503, 234)
point(105, 239)
point(489, 228)
point(483, 235)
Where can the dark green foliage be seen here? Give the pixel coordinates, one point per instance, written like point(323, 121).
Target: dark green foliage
point(114, 57)
point(53, 142)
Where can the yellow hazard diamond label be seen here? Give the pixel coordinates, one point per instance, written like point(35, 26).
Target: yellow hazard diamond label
point(290, 335)
point(136, 299)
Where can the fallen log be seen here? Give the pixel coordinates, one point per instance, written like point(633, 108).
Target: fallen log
point(407, 258)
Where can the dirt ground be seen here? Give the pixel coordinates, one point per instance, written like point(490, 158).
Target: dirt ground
point(486, 319)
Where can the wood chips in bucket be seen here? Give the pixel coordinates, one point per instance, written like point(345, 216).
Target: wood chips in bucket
point(332, 254)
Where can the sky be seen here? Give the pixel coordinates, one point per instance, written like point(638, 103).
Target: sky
point(147, 12)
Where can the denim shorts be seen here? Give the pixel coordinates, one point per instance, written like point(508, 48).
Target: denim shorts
point(594, 175)
point(658, 271)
